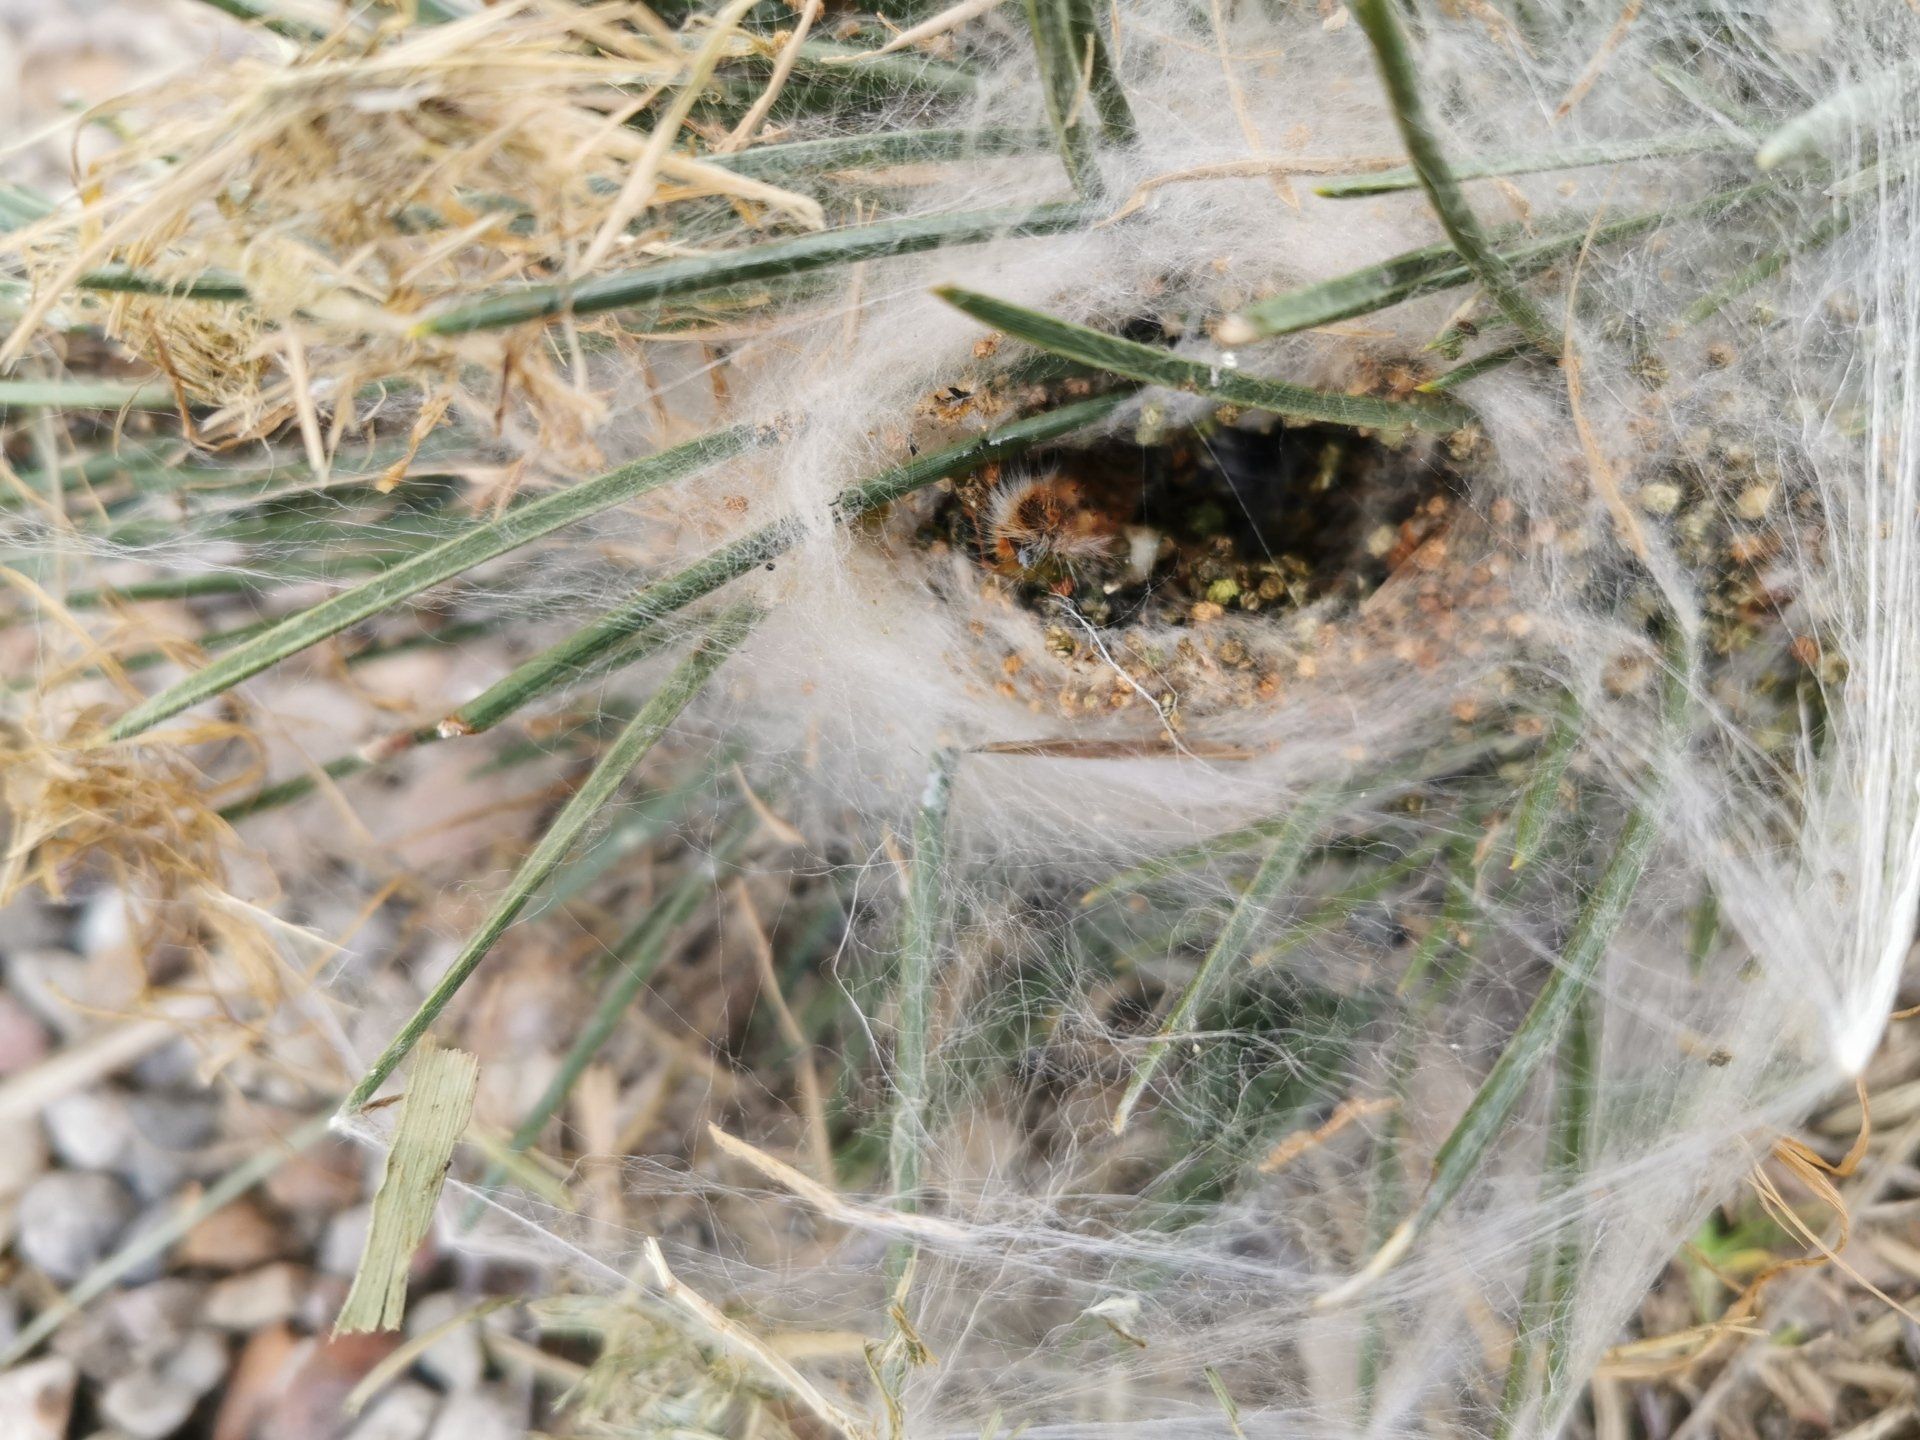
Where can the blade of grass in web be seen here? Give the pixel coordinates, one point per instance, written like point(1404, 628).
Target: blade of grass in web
point(1334, 910)
point(774, 258)
point(866, 152)
point(635, 958)
point(1456, 908)
point(153, 1241)
point(1153, 366)
point(1277, 870)
point(641, 734)
point(890, 75)
point(1458, 1161)
point(921, 925)
point(387, 747)
point(618, 635)
point(85, 395)
point(1539, 803)
point(1749, 277)
point(1384, 1202)
point(1838, 118)
point(1397, 72)
point(124, 280)
point(1439, 267)
point(269, 16)
point(20, 206)
point(1077, 79)
point(1613, 152)
point(518, 526)
point(1547, 1307)
point(1473, 369)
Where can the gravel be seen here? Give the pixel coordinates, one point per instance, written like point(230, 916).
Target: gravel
point(68, 1220)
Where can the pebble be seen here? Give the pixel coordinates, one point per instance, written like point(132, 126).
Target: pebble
point(131, 1329)
point(36, 1400)
point(259, 1297)
point(478, 1415)
point(321, 1181)
point(239, 1236)
point(24, 1041)
point(50, 983)
point(153, 1401)
point(455, 1361)
point(69, 1220)
point(402, 1413)
point(168, 1132)
point(346, 1237)
point(89, 1129)
point(146, 1405)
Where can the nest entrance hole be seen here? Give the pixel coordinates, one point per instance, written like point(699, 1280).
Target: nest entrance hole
point(1252, 521)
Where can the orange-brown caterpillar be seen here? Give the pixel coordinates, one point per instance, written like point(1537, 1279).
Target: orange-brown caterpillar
point(1044, 523)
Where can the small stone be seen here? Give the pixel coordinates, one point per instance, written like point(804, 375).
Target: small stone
point(402, 1413)
point(51, 984)
point(24, 1041)
point(167, 1132)
point(477, 1415)
point(239, 1236)
point(36, 1400)
point(146, 1405)
point(1660, 497)
point(90, 1129)
point(68, 1221)
point(323, 1180)
point(200, 1363)
point(1754, 502)
point(130, 1329)
point(346, 1237)
point(259, 1297)
point(455, 1361)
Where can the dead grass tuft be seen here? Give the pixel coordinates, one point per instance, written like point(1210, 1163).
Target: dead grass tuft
point(355, 186)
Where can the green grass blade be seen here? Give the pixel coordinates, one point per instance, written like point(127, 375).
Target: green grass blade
point(1539, 802)
point(1831, 227)
point(1449, 201)
point(124, 280)
point(1547, 1307)
point(1473, 369)
point(639, 736)
point(876, 151)
point(1077, 78)
point(1613, 152)
point(20, 206)
point(617, 636)
point(1439, 267)
point(1277, 870)
point(674, 279)
point(1154, 366)
point(1458, 1161)
point(268, 16)
point(886, 75)
point(519, 526)
point(635, 959)
point(919, 955)
point(85, 395)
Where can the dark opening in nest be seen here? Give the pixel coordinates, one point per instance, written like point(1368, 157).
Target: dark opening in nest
point(1240, 519)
